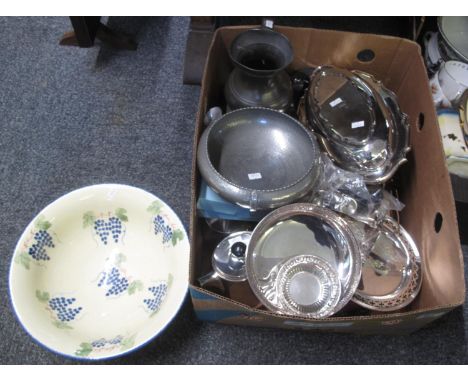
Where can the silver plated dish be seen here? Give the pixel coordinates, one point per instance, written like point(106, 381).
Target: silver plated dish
point(259, 158)
point(290, 232)
point(358, 122)
point(391, 274)
point(308, 286)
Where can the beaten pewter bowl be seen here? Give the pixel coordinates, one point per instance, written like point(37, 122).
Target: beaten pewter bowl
point(100, 271)
point(303, 260)
point(259, 158)
point(358, 122)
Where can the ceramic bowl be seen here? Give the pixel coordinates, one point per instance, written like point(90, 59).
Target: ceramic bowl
point(100, 271)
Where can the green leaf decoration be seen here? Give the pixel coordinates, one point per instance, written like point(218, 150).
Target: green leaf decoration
point(127, 343)
point(88, 219)
point(177, 235)
point(170, 279)
point(23, 259)
point(120, 258)
point(62, 325)
point(135, 286)
point(121, 213)
point(42, 296)
point(43, 224)
point(154, 208)
point(84, 350)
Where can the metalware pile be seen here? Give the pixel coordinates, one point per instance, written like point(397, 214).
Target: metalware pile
point(309, 157)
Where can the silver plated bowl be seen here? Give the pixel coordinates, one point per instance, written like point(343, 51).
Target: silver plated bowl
point(298, 231)
point(391, 274)
point(259, 158)
point(358, 122)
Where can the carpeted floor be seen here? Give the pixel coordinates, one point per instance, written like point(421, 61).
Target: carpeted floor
point(72, 117)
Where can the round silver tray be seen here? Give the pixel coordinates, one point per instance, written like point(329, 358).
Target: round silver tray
point(295, 230)
point(308, 286)
point(391, 275)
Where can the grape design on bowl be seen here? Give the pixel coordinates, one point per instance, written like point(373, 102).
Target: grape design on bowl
point(115, 281)
point(103, 227)
point(62, 309)
point(161, 225)
point(105, 345)
point(36, 247)
point(159, 293)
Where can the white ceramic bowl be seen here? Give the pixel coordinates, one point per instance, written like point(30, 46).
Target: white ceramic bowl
point(453, 79)
point(100, 271)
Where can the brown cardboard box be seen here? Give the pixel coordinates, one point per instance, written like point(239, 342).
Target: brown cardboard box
point(423, 183)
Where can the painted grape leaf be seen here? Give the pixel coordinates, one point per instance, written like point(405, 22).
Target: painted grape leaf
point(84, 350)
point(120, 258)
point(135, 286)
point(121, 213)
point(177, 235)
point(42, 296)
point(154, 208)
point(43, 224)
point(127, 343)
point(88, 219)
point(23, 259)
point(62, 325)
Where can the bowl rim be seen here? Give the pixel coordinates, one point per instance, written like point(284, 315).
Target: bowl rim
point(26, 230)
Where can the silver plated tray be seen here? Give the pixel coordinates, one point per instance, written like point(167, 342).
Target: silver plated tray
point(297, 230)
point(391, 274)
point(358, 122)
point(308, 286)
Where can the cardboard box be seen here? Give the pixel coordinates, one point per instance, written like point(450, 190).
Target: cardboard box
point(423, 184)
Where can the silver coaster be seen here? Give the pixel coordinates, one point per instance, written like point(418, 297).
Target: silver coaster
point(308, 286)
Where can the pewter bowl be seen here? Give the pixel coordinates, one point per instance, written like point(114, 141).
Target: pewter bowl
point(259, 158)
point(358, 122)
point(295, 235)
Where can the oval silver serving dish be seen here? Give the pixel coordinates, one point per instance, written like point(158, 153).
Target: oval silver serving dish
point(259, 158)
point(391, 274)
point(358, 122)
point(291, 233)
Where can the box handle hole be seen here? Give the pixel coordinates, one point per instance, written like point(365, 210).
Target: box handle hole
point(366, 55)
point(420, 121)
point(438, 222)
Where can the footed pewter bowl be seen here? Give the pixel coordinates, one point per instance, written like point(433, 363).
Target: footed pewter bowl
point(259, 158)
point(100, 271)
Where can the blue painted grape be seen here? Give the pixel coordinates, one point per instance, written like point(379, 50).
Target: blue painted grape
point(102, 342)
point(37, 250)
point(159, 292)
point(105, 227)
point(61, 307)
point(116, 284)
point(160, 226)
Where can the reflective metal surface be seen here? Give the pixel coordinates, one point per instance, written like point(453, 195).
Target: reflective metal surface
point(308, 286)
point(229, 256)
point(297, 230)
point(358, 122)
point(453, 40)
point(391, 274)
point(259, 79)
point(259, 158)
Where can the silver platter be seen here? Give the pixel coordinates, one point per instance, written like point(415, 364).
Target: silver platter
point(391, 274)
point(296, 230)
point(308, 286)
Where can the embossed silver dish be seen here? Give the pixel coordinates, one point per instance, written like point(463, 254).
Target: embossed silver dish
point(358, 122)
point(297, 230)
point(308, 286)
point(258, 158)
point(391, 274)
